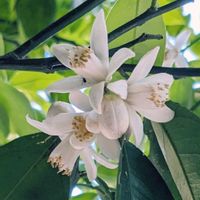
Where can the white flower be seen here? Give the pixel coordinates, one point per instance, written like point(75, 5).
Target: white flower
point(147, 95)
point(113, 121)
point(76, 140)
point(92, 66)
point(173, 52)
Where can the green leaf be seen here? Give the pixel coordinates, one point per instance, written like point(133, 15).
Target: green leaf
point(17, 107)
point(2, 47)
point(138, 179)
point(158, 160)
point(25, 173)
point(124, 11)
point(181, 92)
point(85, 196)
point(4, 123)
point(35, 15)
point(179, 143)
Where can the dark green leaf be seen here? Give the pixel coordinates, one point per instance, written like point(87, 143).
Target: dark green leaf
point(25, 173)
point(138, 178)
point(179, 142)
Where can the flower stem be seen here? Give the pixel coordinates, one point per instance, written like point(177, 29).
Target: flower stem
point(53, 28)
point(147, 15)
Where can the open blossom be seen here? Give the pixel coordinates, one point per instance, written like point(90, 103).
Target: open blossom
point(147, 95)
point(173, 52)
point(92, 66)
point(77, 138)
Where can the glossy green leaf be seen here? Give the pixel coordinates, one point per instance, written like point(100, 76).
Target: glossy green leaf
point(179, 143)
point(138, 179)
point(17, 107)
point(124, 11)
point(158, 160)
point(85, 196)
point(35, 15)
point(25, 173)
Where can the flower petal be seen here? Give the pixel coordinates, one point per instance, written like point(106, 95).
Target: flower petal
point(67, 154)
point(99, 38)
point(135, 126)
point(113, 122)
point(144, 66)
point(90, 166)
point(181, 61)
point(61, 51)
point(160, 115)
point(119, 88)
point(59, 107)
point(109, 148)
point(118, 59)
point(92, 123)
point(96, 96)
point(57, 125)
point(103, 161)
point(77, 144)
point(68, 84)
point(182, 39)
point(80, 100)
point(170, 57)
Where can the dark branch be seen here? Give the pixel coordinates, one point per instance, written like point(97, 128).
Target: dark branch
point(53, 28)
point(51, 65)
point(147, 15)
point(141, 38)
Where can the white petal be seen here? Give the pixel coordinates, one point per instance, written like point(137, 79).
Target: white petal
point(57, 125)
point(76, 144)
point(67, 153)
point(170, 56)
point(135, 126)
point(90, 166)
point(59, 107)
point(61, 51)
point(119, 88)
point(96, 96)
point(182, 39)
point(181, 61)
point(68, 84)
point(144, 66)
point(169, 45)
point(113, 122)
point(92, 123)
point(80, 100)
point(103, 161)
point(110, 148)
point(161, 115)
point(118, 59)
point(99, 38)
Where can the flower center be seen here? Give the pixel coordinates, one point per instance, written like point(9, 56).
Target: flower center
point(57, 162)
point(79, 56)
point(80, 130)
point(159, 94)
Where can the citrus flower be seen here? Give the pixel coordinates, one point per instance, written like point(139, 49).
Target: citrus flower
point(147, 95)
point(76, 140)
point(173, 52)
point(92, 66)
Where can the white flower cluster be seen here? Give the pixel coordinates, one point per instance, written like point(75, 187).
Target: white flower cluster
point(111, 109)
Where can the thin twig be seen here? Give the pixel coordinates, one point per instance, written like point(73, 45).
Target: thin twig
point(147, 15)
point(140, 39)
point(53, 28)
point(191, 44)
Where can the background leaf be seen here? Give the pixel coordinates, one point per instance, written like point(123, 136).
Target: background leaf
point(25, 173)
point(129, 9)
point(138, 179)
